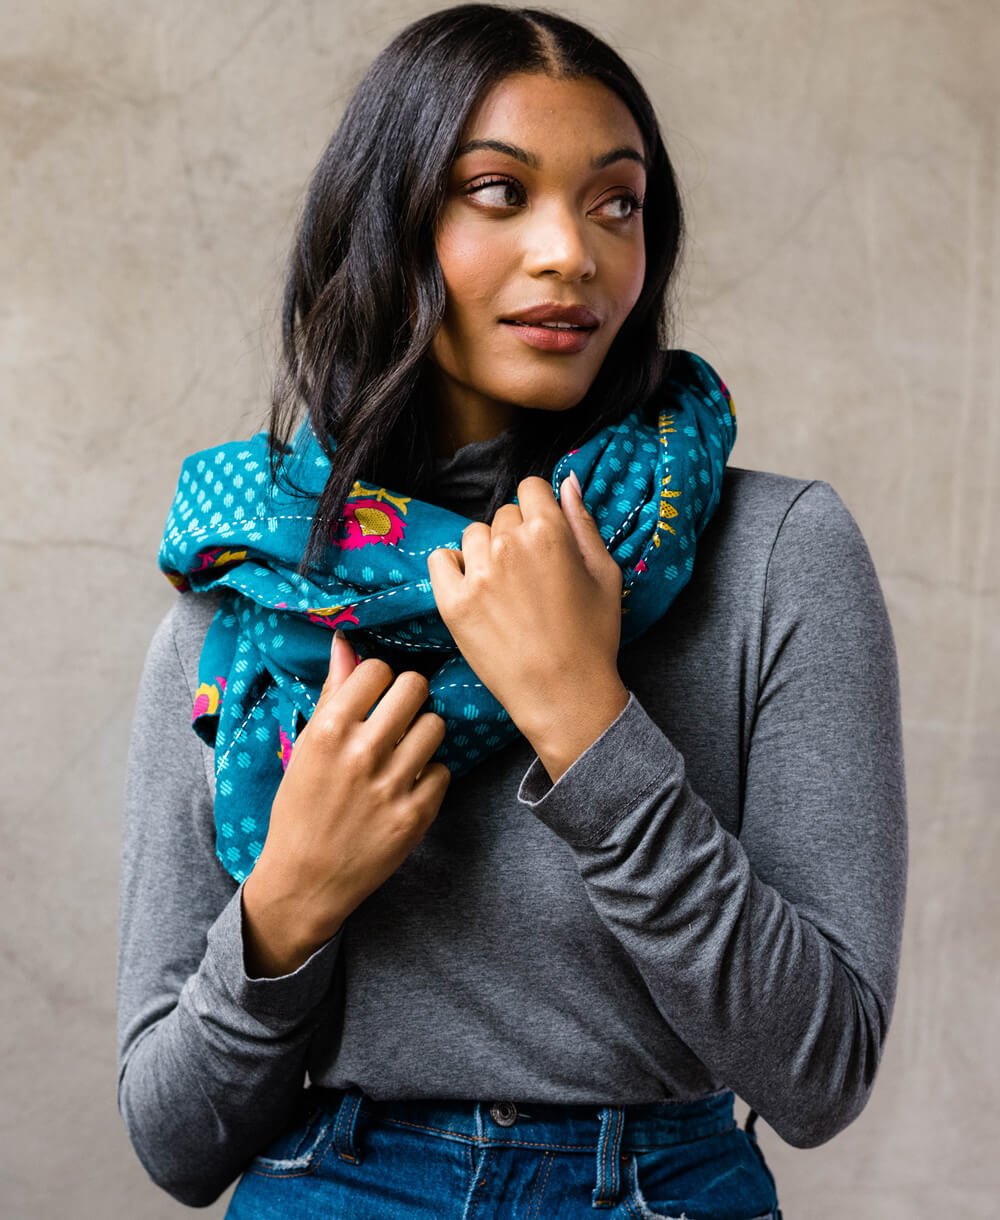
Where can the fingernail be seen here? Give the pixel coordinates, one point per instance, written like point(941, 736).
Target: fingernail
point(576, 483)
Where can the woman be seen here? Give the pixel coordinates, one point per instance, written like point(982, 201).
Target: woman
point(646, 849)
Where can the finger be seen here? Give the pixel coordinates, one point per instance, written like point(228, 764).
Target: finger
point(570, 492)
point(536, 497)
point(431, 786)
point(351, 689)
point(574, 498)
point(475, 546)
point(507, 517)
point(445, 567)
point(396, 710)
point(581, 520)
point(418, 745)
point(343, 662)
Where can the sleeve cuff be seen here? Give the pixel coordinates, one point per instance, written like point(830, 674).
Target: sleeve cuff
point(282, 1002)
point(609, 779)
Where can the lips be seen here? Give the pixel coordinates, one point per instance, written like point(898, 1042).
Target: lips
point(556, 316)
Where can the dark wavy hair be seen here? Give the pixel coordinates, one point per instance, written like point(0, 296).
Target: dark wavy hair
point(364, 294)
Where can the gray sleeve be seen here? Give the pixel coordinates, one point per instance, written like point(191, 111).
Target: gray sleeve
point(773, 955)
point(210, 1061)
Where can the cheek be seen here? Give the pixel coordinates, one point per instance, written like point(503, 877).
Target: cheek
point(473, 266)
point(633, 275)
point(625, 286)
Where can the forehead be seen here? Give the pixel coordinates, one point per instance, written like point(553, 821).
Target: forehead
point(545, 112)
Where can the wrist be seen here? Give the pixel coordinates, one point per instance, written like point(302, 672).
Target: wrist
point(576, 723)
point(278, 933)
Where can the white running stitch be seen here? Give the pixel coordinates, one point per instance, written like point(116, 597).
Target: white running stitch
point(260, 523)
point(368, 599)
point(225, 757)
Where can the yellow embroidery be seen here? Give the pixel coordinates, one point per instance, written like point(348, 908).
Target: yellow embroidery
point(206, 699)
point(373, 521)
point(379, 493)
point(228, 557)
point(667, 511)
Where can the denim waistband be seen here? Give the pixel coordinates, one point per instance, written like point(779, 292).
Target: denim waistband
point(533, 1124)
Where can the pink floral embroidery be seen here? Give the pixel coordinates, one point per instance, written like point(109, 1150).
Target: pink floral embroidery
point(285, 753)
point(206, 698)
point(332, 616)
point(217, 557)
point(379, 518)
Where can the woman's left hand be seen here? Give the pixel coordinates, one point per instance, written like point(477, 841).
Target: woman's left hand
point(533, 603)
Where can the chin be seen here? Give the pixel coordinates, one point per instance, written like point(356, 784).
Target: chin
point(550, 395)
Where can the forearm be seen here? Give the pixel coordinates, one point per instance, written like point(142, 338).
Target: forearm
point(210, 1056)
point(767, 1000)
point(206, 1084)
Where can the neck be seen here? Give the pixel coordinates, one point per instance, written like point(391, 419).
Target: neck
point(465, 420)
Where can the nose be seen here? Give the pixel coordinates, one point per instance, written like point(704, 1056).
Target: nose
point(556, 241)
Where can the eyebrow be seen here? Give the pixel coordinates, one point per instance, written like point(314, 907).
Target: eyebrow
point(625, 153)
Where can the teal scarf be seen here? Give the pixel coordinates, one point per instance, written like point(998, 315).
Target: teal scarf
point(651, 483)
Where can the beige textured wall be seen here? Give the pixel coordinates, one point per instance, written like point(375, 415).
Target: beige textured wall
point(840, 164)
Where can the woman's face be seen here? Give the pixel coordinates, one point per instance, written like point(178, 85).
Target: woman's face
point(542, 210)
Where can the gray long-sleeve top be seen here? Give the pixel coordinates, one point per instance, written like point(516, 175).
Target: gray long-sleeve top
point(710, 897)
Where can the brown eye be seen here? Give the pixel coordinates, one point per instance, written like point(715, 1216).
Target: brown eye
point(497, 192)
point(627, 200)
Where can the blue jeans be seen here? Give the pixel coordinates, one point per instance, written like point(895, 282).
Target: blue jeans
point(348, 1157)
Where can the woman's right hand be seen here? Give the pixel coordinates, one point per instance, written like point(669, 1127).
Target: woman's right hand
point(357, 796)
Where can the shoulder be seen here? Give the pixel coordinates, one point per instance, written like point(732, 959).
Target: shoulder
point(178, 639)
point(736, 545)
point(769, 516)
point(782, 548)
point(817, 540)
point(814, 566)
point(765, 497)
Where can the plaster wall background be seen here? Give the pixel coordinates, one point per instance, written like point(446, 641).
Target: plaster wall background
point(840, 169)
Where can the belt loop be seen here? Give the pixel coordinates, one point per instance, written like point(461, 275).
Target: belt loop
point(605, 1193)
point(345, 1129)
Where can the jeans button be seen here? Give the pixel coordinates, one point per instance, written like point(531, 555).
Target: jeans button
point(504, 1113)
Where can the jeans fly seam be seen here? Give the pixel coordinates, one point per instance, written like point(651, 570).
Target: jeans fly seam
point(549, 1160)
point(320, 1155)
point(479, 1185)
